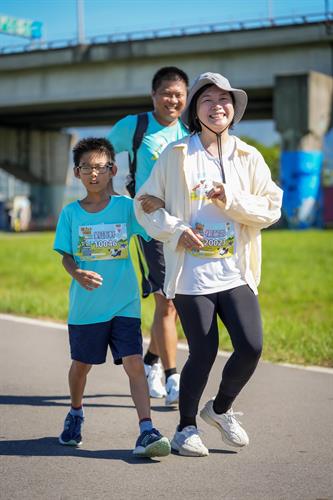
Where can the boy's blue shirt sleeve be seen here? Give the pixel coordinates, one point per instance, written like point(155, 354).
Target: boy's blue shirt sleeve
point(63, 235)
point(121, 134)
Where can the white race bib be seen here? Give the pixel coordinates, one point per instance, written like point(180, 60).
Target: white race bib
point(102, 242)
point(218, 240)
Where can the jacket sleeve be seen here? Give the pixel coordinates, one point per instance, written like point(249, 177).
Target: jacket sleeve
point(262, 206)
point(160, 224)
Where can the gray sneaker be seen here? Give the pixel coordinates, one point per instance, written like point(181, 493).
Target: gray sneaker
point(188, 443)
point(232, 433)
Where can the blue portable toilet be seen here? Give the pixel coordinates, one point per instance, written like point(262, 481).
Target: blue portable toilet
point(301, 183)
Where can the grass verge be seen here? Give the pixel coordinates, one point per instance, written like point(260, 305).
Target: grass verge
point(296, 291)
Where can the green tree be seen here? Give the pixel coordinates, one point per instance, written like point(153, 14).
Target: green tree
point(271, 155)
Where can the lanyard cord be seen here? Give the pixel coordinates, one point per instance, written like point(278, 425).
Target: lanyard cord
point(219, 146)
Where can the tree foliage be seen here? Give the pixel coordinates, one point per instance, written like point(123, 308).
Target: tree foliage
point(270, 153)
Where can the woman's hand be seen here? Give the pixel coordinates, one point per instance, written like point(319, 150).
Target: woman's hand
point(150, 203)
point(217, 192)
point(190, 240)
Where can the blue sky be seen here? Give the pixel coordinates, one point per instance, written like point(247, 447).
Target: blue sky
point(102, 17)
point(111, 16)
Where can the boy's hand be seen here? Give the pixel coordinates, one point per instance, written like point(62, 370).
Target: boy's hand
point(190, 240)
point(150, 203)
point(88, 279)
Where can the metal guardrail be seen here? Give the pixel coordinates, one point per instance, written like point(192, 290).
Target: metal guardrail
point(226, 26)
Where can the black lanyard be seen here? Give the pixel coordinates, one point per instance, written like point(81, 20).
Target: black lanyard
point(219, 147)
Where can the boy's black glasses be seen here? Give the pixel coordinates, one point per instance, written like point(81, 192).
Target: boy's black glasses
point(100, 169)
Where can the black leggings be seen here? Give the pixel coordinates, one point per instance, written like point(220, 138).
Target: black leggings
point(239, 310)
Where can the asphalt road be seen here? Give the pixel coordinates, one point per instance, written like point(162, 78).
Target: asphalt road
point(288, 414)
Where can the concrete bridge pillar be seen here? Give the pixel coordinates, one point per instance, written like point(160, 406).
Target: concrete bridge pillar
point(302, 111)
point(41, 158)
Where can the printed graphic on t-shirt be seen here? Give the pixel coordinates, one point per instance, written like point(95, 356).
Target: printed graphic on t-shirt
point(200, 190)
point(219, 240)
point(159, 148)
point(102, 242)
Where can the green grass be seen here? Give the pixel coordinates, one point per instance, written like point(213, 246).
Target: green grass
point(296, 291)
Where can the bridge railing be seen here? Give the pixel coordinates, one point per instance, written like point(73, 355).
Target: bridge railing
point(226, 26)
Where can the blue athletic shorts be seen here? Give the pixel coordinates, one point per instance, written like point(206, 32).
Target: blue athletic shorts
point(153, 253)
point(89, 343)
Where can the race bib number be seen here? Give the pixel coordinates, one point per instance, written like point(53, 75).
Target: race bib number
point(102, 242)
point(218, 240)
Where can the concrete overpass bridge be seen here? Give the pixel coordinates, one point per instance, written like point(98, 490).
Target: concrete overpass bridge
point(286, 70)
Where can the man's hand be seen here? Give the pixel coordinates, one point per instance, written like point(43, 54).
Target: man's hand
point(150, 203)
point(88, 279)
point(190, 240)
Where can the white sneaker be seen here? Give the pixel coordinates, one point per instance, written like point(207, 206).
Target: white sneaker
point(172, 390)
point(154, 376)
point(188, 443)
point(232, 433)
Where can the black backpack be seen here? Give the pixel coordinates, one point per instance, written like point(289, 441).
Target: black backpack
point(141, 127)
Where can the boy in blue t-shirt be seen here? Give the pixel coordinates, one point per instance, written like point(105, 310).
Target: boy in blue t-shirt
point(93, 237)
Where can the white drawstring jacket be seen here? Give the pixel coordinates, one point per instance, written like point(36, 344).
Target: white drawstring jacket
point(252, 199)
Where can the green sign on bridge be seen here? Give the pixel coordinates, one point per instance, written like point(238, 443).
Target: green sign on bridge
point(20, 27)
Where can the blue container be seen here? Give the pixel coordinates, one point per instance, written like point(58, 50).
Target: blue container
point(301, 183)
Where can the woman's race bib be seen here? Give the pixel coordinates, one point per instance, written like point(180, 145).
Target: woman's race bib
point(218, 240)
point(102, 242)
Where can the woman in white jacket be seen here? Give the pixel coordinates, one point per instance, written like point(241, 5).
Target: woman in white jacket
point(218, 195)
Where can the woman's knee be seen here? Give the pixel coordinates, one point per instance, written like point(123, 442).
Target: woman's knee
point(251, 354)
point(202, 356)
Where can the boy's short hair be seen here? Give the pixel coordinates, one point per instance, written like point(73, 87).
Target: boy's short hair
point(168, 73)
point(89, 144)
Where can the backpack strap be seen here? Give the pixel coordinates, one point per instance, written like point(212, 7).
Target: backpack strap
point(141, 127)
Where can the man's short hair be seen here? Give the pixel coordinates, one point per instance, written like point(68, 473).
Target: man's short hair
point(168, 73)
point(89, 144)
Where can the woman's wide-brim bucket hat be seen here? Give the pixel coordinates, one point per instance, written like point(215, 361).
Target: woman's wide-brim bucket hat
point(220, 81)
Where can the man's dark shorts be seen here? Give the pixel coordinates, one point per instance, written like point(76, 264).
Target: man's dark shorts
point(154, 256)
point(89, 343)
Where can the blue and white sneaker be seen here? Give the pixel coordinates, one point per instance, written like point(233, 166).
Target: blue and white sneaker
point(152, 444)
point(71, 435)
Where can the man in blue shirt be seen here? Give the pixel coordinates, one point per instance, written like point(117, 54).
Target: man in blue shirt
point(169, 92)
point(93, 237)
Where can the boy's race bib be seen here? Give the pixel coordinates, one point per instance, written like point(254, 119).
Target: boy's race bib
point(102, 242)
point(218, 240)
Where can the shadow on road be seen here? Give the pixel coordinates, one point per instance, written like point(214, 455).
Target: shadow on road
point(7, 399)
point(223, 452)
point(49, 447)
